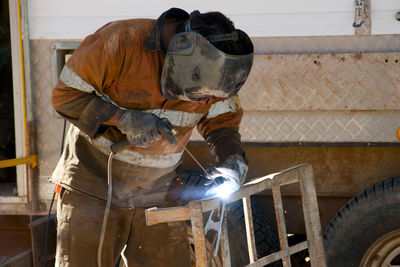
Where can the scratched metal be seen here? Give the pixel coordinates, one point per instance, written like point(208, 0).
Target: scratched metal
point(368, 81)
point(318, 126)
point(326, 44)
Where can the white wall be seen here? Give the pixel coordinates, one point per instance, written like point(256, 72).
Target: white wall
point(74, 19)
point(383, 14)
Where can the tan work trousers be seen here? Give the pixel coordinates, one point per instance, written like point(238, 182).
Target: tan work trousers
point(79, 222)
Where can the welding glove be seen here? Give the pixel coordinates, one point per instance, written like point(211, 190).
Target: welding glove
point(194, 185)
point(227, 177)
point(142, 128)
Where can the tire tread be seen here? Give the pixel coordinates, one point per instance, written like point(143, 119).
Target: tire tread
point(371, 199)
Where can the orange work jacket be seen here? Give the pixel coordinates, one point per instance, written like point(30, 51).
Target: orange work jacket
point(119, 67)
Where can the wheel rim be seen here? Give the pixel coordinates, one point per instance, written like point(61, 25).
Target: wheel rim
point(383, 252)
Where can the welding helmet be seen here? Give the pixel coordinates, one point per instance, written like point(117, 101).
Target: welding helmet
point(195, 69)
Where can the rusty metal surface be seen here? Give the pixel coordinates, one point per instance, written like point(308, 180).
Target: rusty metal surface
point(265, 118)
point(301, 173)
point(255, 186)
point(196, 216)
point(248, 219)
point(278, 255)
point(226, 253)
point(280, 221)
point(369, 81)
point(312, 218)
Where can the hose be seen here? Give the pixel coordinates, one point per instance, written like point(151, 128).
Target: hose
point(107, 210)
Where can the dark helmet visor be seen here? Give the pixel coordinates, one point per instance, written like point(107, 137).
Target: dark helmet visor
point(194, 69)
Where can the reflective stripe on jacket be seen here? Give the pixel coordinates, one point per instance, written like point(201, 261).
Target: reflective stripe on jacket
point(111, 69)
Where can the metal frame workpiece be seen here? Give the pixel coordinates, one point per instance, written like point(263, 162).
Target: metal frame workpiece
point(302, 174)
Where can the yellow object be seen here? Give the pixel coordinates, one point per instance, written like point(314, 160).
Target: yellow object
point(23, 79)
point(398, 133)
point(32, 159)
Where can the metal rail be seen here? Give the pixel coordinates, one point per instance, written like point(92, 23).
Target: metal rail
point(193, 212)
point(32, 160)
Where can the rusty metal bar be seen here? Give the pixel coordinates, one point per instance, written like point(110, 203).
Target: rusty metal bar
point(256, 186)
point(196, 214)
point(278, 255)
point(175, 214)
point(300, 173)
point(248, 219)
point(311, 217)
point(226, 253)
point(280, 221)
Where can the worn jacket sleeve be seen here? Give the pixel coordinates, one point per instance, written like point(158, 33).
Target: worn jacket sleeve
point(77, 94)
point(220, 128)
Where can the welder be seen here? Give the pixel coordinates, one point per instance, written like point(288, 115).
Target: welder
point(149, 82)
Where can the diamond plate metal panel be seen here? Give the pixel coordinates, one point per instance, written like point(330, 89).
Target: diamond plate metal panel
point(318, 126)
point(369, 81)
point(326, 44)
point(48, 129)
point(287, 98)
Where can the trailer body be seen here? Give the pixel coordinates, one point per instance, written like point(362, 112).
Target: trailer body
point(321, 91)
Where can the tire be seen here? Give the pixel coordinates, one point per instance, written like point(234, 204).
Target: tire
point(216, 261)
point(265, 231)
point(366, 231)
point(237, 244)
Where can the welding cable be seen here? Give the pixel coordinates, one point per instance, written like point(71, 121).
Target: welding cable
point(107, 211)
point(46, 235)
